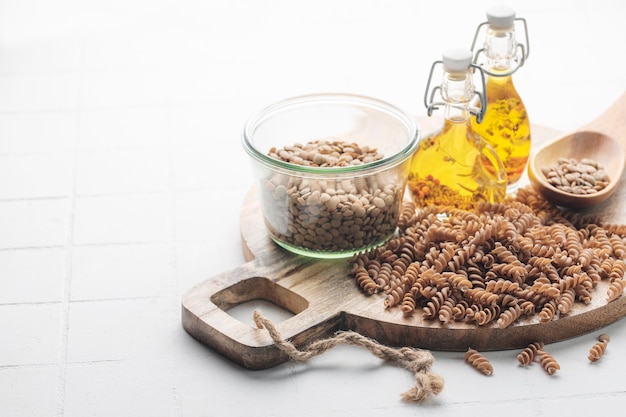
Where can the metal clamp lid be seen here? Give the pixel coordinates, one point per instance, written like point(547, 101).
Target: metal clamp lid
point(456, 61)
point(502, 18)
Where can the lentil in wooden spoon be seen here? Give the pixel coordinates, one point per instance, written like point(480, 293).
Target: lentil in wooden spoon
point(602, 141)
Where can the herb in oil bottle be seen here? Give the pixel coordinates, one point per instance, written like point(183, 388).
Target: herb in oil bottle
point(506, 125)
point(454, 166)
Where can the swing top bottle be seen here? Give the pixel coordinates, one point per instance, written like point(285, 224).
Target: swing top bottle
point(506, 125)
point(453, 166)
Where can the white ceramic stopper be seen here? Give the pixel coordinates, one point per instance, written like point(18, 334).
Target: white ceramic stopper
point(457, 60)
point(501, 16)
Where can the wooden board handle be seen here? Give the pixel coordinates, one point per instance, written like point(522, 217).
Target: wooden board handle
point(205, 312)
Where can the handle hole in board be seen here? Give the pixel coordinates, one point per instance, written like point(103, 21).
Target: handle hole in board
point(259, 293)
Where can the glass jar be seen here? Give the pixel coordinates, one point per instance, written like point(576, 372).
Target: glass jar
point(330, 212)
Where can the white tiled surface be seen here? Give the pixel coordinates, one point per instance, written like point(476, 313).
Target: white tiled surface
point(121, 179)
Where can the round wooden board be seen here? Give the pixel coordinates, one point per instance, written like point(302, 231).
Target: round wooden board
point(324, 299)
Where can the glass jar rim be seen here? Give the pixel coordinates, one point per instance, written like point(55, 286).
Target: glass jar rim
point(340, 98)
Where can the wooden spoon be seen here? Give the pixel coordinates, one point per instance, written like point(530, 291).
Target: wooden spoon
point(603, 140)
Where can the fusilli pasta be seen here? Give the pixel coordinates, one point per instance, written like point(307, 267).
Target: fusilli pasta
point(495, 264)
point(598, 349)
point(478, 361)
point(526, 356)
point(549, 364)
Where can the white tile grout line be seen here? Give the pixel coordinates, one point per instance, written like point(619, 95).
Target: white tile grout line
point(174, 191)
point(111, 244)
point(129, 299)
point(64, 324)
point(54, 366)
point(65, 300)
point(177, 406)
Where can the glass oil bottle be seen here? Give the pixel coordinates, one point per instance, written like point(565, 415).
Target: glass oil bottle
point(506, 125)
point(453, 166)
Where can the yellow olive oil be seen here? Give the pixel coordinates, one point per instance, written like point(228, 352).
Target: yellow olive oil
point(455, 168)
point(506, 126)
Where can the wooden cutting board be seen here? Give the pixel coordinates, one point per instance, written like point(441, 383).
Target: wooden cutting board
point(324, 298)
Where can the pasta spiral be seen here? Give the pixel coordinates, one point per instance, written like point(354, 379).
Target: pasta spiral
point(566, 302)
point(616, 288)
point(461, 310)
point(431, 310)
point(509, 315)
point(598, 349)
point(364, 280)
point(408, 304)
point(548, 311)
point(478, 361)
point(549, 364)
point(487, 314)
point(526, 356)
point(446, 310)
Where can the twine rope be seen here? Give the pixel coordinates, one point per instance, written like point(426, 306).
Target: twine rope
point(417, 361)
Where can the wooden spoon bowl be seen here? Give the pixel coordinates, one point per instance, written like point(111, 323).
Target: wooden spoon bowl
point(603, 140)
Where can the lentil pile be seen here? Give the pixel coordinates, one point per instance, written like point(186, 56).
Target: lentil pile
point(577, 177)
point(495, 263)
point(326, 154)
point(321, 213)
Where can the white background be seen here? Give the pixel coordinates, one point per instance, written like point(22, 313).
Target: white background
point(122, 176)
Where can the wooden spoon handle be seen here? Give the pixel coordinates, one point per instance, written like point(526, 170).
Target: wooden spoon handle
point(612, 122)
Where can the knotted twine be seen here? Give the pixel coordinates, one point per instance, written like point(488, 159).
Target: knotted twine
point(418, 361)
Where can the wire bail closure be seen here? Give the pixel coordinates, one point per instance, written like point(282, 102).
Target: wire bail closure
point(522, 49)
point(432, 105)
